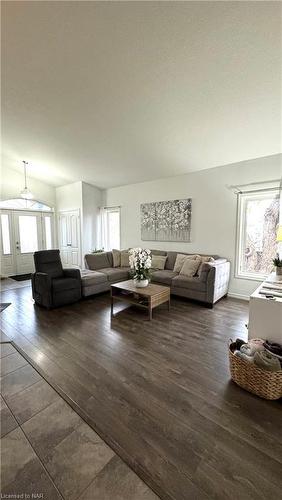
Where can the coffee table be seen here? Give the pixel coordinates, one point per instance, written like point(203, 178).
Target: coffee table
point(148, 298)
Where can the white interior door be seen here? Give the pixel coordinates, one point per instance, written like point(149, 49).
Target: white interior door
point(22, 234)
point(69, 238)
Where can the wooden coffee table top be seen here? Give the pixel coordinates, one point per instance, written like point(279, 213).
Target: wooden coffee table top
point(147, 291)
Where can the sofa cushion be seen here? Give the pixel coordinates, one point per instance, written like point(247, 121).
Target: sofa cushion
point(190, 267)
point(116, 257)
point(171, 258)
point(115, 274)
point(60, 284)
point(194, 283)
point(158, 261)
point(170, 261)
point(97, 260)
point(205, 259)
point(159, 252)
point(124, 258)
point(163, 276)
point(89, 278)
point(204, 270)
point(180, 258)
point(110, 258)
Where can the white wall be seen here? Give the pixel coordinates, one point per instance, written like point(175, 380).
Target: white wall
point(12, 183)
point(213, 208)
point(87, 199)
point(91, 202)
point(69, 197)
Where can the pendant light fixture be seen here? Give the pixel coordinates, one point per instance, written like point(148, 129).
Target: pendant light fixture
point(25, 193)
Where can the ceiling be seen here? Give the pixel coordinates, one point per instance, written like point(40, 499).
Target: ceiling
point(115, 93)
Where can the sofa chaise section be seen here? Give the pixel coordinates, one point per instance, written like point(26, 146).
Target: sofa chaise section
point(116, 274)
point(93, 282)
point(100, 273)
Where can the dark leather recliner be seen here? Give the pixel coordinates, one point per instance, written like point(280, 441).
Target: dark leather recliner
point(53, 286)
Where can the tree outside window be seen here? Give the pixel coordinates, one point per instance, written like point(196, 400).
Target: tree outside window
point(257, 228)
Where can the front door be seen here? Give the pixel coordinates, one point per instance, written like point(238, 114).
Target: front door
point(22, 234)
point(28, 237)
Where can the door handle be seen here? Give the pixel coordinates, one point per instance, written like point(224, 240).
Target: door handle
point(69, 245)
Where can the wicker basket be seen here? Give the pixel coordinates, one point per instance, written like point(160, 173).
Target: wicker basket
point(263, 383)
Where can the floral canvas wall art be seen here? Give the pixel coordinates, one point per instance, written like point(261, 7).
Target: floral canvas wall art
point(166, 220)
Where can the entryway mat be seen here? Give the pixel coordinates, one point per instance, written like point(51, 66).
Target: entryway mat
point(21, 277)
point(3, 306)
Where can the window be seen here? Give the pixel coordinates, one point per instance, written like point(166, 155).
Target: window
point(110, 228)
point(28, 233)
point(5, 230)
point(21, 204)
point(258, 217)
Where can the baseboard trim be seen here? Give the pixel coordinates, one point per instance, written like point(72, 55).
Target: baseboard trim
point(239, 296)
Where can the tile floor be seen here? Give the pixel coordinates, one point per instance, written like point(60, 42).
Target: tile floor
point(47, 450)
point(9, 284)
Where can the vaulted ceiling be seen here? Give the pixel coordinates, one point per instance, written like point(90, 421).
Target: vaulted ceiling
point(119, 92)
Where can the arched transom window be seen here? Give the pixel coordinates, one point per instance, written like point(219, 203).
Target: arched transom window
point(22, 204)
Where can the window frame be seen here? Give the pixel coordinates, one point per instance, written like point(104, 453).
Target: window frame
point(44, 236)
point(242, 197)
point(9, 234)
point(10, 204)
point(103, 240)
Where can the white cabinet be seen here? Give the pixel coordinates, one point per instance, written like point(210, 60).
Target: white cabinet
point(70, 238)
point(265, 315)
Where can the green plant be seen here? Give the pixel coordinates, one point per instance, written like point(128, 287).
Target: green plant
point(277, 261)
point(98, 250)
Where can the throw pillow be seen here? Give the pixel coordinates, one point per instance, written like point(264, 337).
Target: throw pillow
point(180, 258)
point(158, 261)
point(116, 257)
point(124, 258)
point(204, 259)
point(203, 270)
point(190, 267)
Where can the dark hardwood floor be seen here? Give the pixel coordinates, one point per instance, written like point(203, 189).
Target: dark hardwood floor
point(159, 392)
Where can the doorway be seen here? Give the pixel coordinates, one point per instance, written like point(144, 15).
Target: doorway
point(70, 237)
point(23, 232)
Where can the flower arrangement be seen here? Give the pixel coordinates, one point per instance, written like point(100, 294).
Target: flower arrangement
point(140, 262)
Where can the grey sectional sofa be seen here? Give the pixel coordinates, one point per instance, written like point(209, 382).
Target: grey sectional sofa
point(208, 287)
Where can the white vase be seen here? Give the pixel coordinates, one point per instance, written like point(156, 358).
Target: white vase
point(141, 283)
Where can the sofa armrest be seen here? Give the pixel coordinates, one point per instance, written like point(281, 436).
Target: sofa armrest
point(218, 262)
point(42, 289)
point(204, 271)
point(217, 280)
point(42, 282)
point(72, 273)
